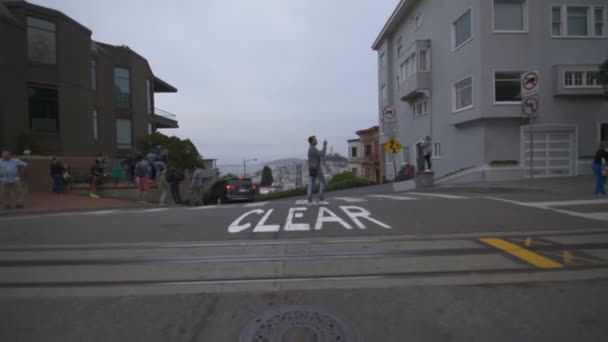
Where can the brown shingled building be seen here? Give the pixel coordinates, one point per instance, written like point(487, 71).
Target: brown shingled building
point(69, 94)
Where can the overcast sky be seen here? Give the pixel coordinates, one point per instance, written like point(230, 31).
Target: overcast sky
point(254, 78)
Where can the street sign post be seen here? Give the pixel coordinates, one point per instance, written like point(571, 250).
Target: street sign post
point(393, 146)
point(530, 104)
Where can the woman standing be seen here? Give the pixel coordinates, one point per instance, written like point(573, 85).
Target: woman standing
point(599, 168)
point(163, 186)
point(57, 175)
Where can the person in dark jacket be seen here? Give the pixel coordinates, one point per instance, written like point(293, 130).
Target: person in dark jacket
point(57, 171)
point(175, 177)
point(599, 168)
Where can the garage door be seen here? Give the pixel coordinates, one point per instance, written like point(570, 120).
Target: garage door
point(553, 151)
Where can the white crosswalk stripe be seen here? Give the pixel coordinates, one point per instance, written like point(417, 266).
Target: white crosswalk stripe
point(436, 195)
point(256, 204)
point(557, 206)
point(350, 199)
point(398, 198)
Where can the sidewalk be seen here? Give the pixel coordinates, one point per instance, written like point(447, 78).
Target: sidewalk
point(579, 185)
point(66, 202)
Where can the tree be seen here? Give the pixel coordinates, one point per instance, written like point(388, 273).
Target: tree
point(267, 178)
point(602, 77)
point(182, 155)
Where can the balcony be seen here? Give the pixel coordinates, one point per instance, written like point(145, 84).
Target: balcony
point(163, 119)
point(419, 83)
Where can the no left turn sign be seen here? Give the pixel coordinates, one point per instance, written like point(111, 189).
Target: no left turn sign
point(529, 106)
point(388, 113)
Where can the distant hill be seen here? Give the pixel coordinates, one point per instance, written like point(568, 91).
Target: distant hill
point(284, 162)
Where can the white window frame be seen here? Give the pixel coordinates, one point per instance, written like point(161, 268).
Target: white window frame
point(583, 80)
point(424, 103)
point(383, 92)
point(418, 20)
point(406, 155)
point(399, 50)
point(428, 60)
point(454, 47)
point(525, 20)
point(458, 110)
point(590, 21)
point(408, 67)
point(382, 60)
point(436, 150)
point(502, 103)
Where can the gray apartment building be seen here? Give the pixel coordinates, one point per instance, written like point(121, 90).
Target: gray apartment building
point(68, 94)
point(451, 69)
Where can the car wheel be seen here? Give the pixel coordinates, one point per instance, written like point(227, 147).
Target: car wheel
point(218, 201)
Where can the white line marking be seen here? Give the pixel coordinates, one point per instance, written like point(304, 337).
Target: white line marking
point(154, 210)
point(100, 212)
point(399, 198)
point(301, 202)
point(323, 203)
point(350, 199)
point(256, 204)
point(437, 195)
point(602, 216)
point(567, 203)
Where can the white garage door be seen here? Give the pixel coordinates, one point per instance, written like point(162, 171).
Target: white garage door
point(553, 151)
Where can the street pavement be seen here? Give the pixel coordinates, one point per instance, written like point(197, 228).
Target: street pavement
point(369, 264)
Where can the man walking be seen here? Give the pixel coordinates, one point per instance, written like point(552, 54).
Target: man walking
point(427, 151)
point(57, 171)
point(142, 172)
point(315, 171)
point(175, 177)
point(198, 186)
point(10, 182)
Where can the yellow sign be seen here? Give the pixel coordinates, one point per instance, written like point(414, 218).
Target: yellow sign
point(392, 146)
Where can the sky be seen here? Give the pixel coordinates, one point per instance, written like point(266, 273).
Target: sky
point(254, 78)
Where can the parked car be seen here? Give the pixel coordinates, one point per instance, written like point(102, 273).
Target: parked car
point(231, 190)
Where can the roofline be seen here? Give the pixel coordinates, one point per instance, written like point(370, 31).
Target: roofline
point(54, 12)
point(368, 130)
point(399, 11)
point(353, 140)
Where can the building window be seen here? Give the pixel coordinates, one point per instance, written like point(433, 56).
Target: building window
point(93, 74)
point(600, 21)
point(420, 108)
point(43, 109)
point(581, 79)
point(149, 96)
point(556, 15)
point(41, 41)
point(604, 131)
point(382, 61)
point(368, 150)
point(95, 126)
point(383, 92)
point(123, 134)
point(407, 69)
point(423, 61)
point(418, 20)
point(354, 170)
point(507, 86)
point(510, 15)
point(406, 154)
point(353, 152)
point(462, 30)
point(150, 128)
point(578, 21)
point(437, 150)
point(122, 87)
point(399, 46)
point(463, 94)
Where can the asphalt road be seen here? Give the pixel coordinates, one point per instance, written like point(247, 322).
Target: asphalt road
point(367, 265)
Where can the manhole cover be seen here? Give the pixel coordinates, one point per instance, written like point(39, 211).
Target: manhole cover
point(297, 324)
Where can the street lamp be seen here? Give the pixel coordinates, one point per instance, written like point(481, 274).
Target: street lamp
point(245, 165)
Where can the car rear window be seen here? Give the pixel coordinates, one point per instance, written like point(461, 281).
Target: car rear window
point(239, 182)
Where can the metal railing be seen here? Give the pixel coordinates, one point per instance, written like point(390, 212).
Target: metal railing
point(165, 114)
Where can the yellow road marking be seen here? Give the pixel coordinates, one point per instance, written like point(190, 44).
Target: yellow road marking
point(522, 253)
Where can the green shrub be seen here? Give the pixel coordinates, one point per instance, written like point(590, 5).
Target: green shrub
point(346, 180)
